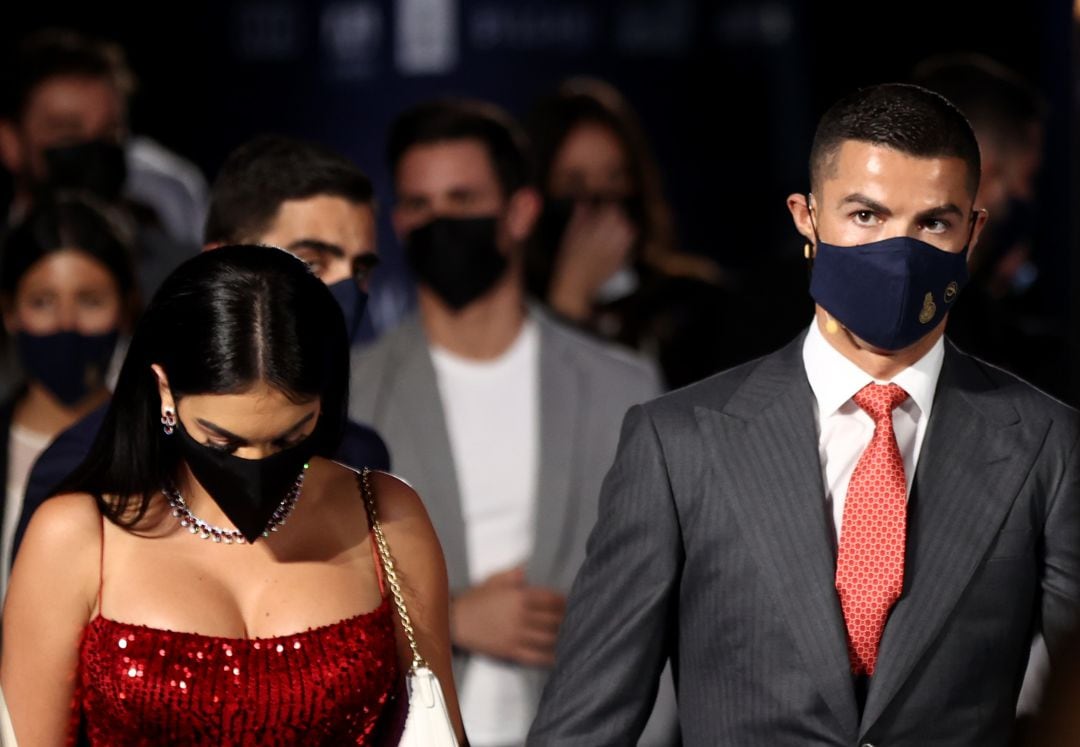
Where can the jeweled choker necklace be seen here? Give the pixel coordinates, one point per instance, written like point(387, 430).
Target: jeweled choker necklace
point(207, 531)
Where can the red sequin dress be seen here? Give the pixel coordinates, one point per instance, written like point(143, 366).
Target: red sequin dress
point(332, 685)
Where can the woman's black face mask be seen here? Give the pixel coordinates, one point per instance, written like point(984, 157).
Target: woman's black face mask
point(247, 490)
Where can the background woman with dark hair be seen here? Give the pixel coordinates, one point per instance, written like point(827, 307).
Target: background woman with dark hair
point(204, 507)
point(604, 253)
point(66, 290)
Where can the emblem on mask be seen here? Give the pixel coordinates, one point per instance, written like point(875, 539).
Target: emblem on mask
point(928, 309)
point(950, 292)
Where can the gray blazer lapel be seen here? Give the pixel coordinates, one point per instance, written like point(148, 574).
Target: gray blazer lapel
point(561, 399)
point(766, 436)
point(972, 464)
point(420, 406)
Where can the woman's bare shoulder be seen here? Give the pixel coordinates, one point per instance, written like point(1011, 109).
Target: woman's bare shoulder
point(59, 556)
point(72, 520)
point(395, 499)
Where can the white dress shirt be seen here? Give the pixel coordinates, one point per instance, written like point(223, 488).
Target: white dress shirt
point(845, 430)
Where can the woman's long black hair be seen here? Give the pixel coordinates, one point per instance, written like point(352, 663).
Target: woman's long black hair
point(222, 322)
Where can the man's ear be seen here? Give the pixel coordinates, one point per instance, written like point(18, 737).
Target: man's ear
point(10, 151)
point(522, 213)
point(981, 216)
point(801, 217)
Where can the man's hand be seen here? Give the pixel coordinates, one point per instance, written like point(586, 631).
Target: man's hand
point(506, 618)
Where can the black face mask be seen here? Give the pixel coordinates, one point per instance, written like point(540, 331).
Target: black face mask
point(247, 490)
point(96, 166)
point(69, 364)
point(458, 258)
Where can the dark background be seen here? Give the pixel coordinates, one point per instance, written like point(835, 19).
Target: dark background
point(729, 92)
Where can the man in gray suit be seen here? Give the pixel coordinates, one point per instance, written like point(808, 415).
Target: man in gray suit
point(849, 541)
point(503, 420)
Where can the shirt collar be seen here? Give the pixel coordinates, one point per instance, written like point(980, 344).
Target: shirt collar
point(835, 379)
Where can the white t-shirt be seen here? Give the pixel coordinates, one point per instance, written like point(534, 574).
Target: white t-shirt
point(24, 447)
point(492, 414)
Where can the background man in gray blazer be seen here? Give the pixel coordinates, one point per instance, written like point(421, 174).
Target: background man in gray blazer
point(503, 420)
point(849, 541)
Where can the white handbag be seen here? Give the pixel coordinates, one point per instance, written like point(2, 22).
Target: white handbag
point(7, 734)
point(428, 722)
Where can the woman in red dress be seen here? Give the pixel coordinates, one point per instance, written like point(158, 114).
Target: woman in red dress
point(206, 577)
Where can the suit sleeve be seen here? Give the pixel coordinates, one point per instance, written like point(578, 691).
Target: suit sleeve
point(617, 633)
point(1061, 551)
point(59, 460)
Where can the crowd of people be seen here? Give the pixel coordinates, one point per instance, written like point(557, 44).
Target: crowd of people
point(206, 443)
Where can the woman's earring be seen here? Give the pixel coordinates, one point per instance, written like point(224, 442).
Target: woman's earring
point(168, 420)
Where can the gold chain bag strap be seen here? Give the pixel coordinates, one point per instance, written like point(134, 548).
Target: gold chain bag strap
point(428, 722)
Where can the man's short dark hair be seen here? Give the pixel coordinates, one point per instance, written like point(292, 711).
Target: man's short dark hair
point(463, 119)
point(998, 102)
point(906, 118)
point(261, 174)
point(53, 53)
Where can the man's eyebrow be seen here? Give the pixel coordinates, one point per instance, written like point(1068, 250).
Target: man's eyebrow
point(318, 246)
point(858, 198)
point(941, 210)
point(218, 430)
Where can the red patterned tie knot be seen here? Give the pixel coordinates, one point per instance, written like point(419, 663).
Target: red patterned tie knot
point(879, 400)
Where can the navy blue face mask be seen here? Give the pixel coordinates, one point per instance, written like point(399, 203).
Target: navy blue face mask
point(890, 293)
point(353, 303)
point(69, 364)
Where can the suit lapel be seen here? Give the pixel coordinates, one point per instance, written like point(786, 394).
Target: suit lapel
point(971, 466)
point(766, 436)
point(425, 425)
point(561, 404)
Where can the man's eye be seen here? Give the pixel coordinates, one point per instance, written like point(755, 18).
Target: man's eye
point(936, 226)
point(864, 217)
point(314, 260)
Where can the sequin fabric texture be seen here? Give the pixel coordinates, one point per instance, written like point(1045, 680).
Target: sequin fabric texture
point(327, 686)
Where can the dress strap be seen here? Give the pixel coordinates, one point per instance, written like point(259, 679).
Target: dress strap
point(365, 487)
point(101, 567)
point(378, 563)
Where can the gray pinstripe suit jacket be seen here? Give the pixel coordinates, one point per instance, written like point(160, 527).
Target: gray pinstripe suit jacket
point(713, 549)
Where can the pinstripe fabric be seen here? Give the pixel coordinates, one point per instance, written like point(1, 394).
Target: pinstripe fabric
point(713, 548)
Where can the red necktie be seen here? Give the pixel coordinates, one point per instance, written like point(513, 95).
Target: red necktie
point(870, 562)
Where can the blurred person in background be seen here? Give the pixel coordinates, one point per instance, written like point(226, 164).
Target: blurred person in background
point(604, 254)
point(502, 418)
point(275, 191)
point(67, 293)
point(64, 125)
